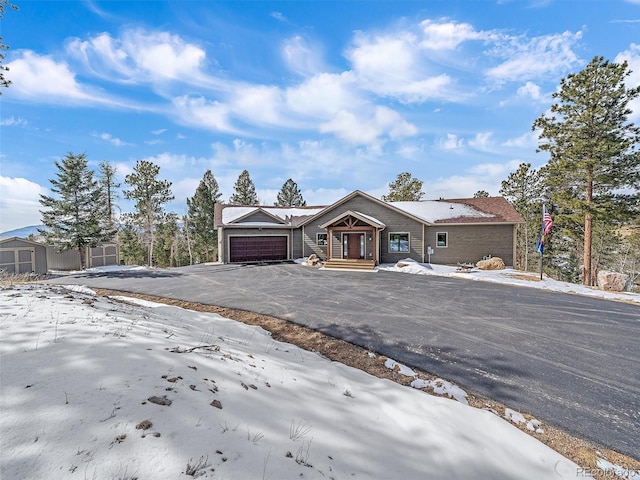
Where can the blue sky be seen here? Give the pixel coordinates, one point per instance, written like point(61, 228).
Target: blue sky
point(337, 95)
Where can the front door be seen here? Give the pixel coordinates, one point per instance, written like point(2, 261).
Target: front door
point(354, 245)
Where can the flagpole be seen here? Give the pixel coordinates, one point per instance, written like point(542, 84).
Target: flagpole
point(542, 250)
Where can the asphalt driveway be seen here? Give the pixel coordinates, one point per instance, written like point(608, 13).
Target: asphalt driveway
point(569, 360)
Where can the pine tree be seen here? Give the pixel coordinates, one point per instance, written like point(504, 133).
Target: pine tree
point(593, 151)
point(108, 186)
point(481, 194)
point(167, 231)
point(290, 195)
point(74, 218)
point(200, 222)
point(404, 189)
point(522, 189)
point(132, 251)
point(150, 194)
point(245, 191)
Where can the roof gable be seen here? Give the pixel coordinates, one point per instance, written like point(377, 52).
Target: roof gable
point(259, 215)
point(368, 219)
point(289, 216)
point(356, 193)
point(20, 239)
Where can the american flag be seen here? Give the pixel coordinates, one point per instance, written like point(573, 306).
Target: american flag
point(547, 224)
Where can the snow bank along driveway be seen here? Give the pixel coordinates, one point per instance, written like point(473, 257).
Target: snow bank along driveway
point(93, 388)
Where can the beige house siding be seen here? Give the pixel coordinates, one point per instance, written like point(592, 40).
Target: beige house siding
point(471, 243)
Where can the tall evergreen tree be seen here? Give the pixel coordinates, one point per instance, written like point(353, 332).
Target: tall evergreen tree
point(108, 185)
point(200, 225)
point(167, 232)
point(150, 194)
point(290, 195)
point(404, 189)
point(481, 194)
point(132, 251)
point(74, 218)
point(593, 151)
point(522, 189)
point(245, 191)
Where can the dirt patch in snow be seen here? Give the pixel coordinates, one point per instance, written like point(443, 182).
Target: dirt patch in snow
point(584, 453)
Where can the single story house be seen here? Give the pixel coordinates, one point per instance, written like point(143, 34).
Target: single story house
point(367, 231)
point(19, 255)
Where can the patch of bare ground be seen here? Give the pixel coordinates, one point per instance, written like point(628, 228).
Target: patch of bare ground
point(583, 453)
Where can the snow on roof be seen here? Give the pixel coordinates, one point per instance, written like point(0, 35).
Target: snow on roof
point(232, 213)
point(369, 217)
point(433, 211)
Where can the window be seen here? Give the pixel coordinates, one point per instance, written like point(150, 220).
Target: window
point(321, 239)
point(441, 239)
point(399, 242)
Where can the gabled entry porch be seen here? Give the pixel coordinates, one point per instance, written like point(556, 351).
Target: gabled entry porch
point(353, 241)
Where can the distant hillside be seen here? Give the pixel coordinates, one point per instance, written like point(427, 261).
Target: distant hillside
point(23, 232)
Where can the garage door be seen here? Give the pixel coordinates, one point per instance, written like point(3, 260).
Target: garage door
point(257, 249)
point(17, 260)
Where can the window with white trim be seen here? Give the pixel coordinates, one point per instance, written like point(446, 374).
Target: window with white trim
point(321, 239)
point(398, 242)
point(442, 239)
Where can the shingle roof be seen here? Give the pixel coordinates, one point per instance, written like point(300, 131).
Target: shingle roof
point(498, 209)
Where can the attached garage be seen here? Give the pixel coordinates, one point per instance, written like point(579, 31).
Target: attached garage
point(261, 248)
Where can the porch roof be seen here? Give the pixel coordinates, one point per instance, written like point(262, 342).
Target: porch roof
point(360, 216)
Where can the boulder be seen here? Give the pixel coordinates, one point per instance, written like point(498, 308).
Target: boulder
point(494, 263)
point(313, 260)
point(613, 281)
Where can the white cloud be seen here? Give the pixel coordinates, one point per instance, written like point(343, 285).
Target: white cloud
point(367, 129)
point(632, 57)
point(482, 141)
point(111, 139)
point(323, 95)
point(494, 170)
point(445, 35)
point(529, 90)
point(451, 142)
point(534, 58)
point(528, 140)
point(487, 176)
point(259, 104)
point(301, 57)
point(138, 56)
point(460, 186)
point(13, 122)
point(19, 203)
point(393, 66)
point(200, 112)
point(41, 77)
point(279, 16)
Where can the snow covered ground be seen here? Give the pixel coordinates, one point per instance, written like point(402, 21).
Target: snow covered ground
point(94, 388)
point(509, 276)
